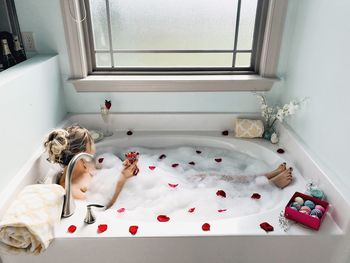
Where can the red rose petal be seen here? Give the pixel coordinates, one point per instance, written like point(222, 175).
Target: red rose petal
point(133, 229)
point(280, 150)
point(136, 171)
point(108, 104)
point(129, 133)
point(221, 193)
point(192, 163)
point(173, 185)
point(121, 210)
point(266, 226)
point(199, 152)
point(175, 165)
point(72, 228)
point(225, 133)
point(191, 210)
point(152, 167)
point(102, 228)
point(206, 227)
point(218, 160)
point(255, 196)
point(100, 160)
point(222, 210)
point(163, 218)
point(162, 156)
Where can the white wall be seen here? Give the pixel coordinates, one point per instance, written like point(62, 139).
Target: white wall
point(31, 104)
point(318, 67)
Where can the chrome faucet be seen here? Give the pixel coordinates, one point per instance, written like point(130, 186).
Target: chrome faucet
point(69, 204)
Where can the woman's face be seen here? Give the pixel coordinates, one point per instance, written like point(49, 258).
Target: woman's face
point(90, 147)
point(83, 165)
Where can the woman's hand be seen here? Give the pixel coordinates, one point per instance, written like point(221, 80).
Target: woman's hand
point(129, 169)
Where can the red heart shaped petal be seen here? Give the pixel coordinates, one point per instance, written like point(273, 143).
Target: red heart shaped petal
point(108, 104)
point(206, 227)
point(221, 193)
point(222, 210)
point(255, 196)
point(173, 185)
point(102, 228)
point(280, 150)
point(100, 160)
point(121, 210)
point(163, 218)
point(162, 156)
point(72, 228)
point(266, 226)
point(175, 165)
point(225, 133)
point(133, 229)
point(191, 210)
point(218, 160)
point(152, 167)
point(192, 163)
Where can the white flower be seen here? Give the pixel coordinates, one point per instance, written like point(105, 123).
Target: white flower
point(280, 115)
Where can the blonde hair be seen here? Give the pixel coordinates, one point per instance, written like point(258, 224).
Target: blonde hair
point(62, 144)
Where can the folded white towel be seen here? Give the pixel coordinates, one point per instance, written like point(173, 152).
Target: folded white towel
point(28, 224)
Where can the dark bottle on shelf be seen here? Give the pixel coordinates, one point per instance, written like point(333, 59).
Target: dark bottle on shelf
point(19, 53)
point(7, 58)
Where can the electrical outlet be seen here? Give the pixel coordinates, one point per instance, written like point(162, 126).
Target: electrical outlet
point(28, 41)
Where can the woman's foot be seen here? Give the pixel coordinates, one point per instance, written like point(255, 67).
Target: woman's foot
point(277, 171)
point(283, 179)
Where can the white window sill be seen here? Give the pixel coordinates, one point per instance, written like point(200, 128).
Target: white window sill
point(211, 83)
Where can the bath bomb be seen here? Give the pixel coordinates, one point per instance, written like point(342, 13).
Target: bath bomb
point(317, 193)
point(296, 205)
point(304, 212)
point(321, 208)
point(316, 212)
point(305, 208)
point(310, 204)
point(299, 200)
point(294, 208)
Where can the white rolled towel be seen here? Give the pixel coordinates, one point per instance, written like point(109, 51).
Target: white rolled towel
point(28, 224)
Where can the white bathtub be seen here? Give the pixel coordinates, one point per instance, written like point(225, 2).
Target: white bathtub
point(238, 239)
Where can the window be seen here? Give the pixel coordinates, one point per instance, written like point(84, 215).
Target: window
point(173, 35)
point(174, 38)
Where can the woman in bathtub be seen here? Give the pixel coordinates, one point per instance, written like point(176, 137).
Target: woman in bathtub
point(63, 144)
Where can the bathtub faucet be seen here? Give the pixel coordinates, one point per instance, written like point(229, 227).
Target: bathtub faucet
point(68, 204)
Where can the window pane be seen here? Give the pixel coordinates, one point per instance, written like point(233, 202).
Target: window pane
point(246, 24)
point(103, 60)
point(173, 24)
point(243, 60)
point(173, 60)
point(99, 24)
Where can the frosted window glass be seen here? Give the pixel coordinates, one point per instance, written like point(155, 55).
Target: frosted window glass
point(173, 24)
point(103, 60)
point(246, 24)
point(243, 60)
point(173, 60)
point(99, 24)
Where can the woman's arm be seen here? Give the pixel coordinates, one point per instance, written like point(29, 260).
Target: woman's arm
point(128, 171)
point(118, 188)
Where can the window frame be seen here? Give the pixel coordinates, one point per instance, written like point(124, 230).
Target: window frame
point(220, 79)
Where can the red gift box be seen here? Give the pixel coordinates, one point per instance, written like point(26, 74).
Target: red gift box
point(305, 219)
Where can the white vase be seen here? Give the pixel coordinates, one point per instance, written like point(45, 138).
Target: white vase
point(274, 138)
